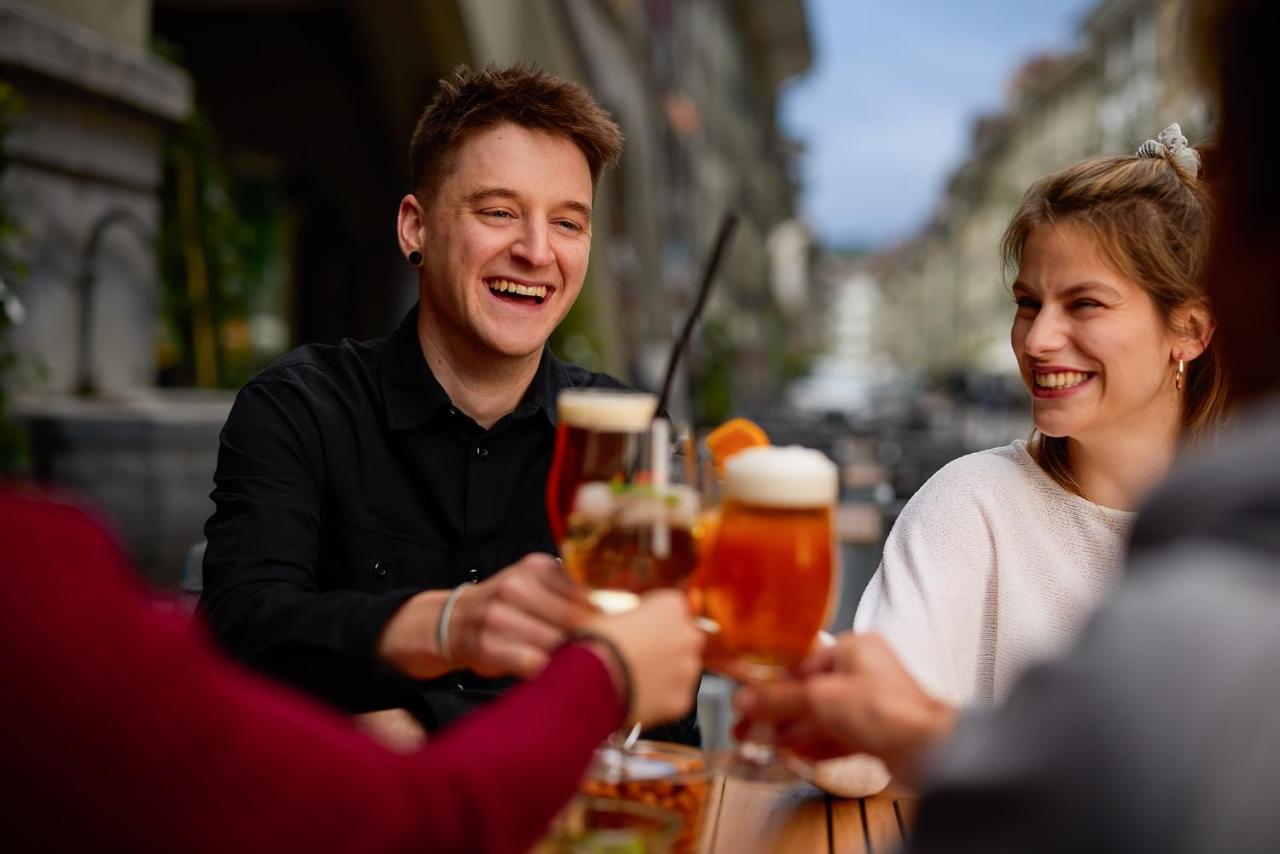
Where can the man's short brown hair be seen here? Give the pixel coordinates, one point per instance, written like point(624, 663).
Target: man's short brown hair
point(521, 94)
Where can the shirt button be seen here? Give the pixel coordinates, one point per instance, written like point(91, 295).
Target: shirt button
point(481, 453)
point(452, 411)
point(379, 570)
point(474, 573)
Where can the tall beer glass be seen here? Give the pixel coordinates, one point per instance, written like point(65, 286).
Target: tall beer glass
point(624, 521)
point(624, 524)
point(770, 578)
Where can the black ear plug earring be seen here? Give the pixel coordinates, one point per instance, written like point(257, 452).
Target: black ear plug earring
point(415, 258)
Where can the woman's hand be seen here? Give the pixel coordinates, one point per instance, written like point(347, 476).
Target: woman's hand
point(850, 698)
point(662, 651)
point(507, 624)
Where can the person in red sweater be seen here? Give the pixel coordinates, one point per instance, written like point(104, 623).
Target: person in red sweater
point(123, 729)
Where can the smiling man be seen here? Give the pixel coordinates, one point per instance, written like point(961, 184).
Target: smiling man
point(380, 537)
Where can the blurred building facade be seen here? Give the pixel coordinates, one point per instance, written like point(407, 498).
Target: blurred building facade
point(694, 85)
point(308, 106)
point(945, 308)
point(847, 375)
point(81, 183)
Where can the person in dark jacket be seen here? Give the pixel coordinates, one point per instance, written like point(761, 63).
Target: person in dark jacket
point(380, 536)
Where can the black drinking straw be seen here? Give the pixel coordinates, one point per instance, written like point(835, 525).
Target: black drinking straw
point(727, 225)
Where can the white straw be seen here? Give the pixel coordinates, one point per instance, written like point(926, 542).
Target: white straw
point(660, 435)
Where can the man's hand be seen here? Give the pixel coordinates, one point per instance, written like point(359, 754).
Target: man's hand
point(506, 625)
point(852, 697)
point(394, 729)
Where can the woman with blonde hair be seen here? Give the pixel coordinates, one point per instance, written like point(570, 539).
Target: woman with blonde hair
point(998, 559)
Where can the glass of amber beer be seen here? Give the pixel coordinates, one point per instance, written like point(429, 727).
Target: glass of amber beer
point(617, 499)
point(769, 580)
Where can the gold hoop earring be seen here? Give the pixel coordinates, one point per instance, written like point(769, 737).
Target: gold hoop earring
point(1180, 378)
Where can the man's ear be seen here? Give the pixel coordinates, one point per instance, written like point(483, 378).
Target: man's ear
point(1195, 327)
point(411, 224)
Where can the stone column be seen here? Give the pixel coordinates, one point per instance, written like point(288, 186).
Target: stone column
point(87, 154)
point(86, 159)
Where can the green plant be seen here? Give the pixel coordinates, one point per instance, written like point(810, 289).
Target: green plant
point(576, 338)
point(218, 252)
point(714, 358)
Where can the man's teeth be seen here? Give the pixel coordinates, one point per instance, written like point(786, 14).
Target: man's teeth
point(502, 286)
point(1060, 379)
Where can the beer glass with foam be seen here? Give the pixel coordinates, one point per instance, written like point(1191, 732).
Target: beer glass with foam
point(769, 580)
point(625, 522)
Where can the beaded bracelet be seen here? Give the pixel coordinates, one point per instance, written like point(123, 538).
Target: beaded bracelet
point(628, 684)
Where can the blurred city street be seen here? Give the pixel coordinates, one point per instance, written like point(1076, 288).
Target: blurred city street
point(193, 187)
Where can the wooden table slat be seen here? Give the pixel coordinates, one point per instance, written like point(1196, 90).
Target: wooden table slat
point(769, 817)
point(906, 807)
point(798, 819)
point(882, 824)
point(711, 815)
point(848, 833)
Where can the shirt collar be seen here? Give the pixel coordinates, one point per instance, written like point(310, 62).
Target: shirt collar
point(413, 394)
point(543, 392)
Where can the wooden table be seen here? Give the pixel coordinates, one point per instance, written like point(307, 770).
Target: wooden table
point(770, 817)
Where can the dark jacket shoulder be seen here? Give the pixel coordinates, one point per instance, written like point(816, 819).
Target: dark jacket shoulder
point(311, 360)
point(1228, 491)
point(576, 376)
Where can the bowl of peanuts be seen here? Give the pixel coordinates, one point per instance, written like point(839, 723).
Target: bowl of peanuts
point(671, 777)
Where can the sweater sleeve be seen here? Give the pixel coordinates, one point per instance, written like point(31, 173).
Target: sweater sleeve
point(931, 595)
point(1156, 732)
point(126, 708)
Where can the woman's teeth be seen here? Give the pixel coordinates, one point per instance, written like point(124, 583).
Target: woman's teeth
point(1060, 379)
point(502, 286)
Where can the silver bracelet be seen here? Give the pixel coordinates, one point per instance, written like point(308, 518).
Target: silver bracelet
point(442, 627)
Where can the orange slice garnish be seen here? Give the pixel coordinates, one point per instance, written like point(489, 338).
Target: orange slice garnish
point(734, 435)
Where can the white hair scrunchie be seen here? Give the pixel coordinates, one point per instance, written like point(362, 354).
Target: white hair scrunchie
point(1171, 144)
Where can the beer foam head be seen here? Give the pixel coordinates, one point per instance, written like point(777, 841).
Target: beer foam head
point(609, 411)
point(788, 477)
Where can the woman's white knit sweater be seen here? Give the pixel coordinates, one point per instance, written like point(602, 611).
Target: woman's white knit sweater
point(991, 567)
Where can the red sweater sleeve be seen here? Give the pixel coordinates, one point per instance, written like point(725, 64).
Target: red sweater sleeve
point(122, 729)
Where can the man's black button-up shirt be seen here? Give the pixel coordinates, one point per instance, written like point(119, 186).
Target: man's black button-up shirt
point(347, 482)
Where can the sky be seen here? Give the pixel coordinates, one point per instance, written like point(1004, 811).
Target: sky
point(885, 110)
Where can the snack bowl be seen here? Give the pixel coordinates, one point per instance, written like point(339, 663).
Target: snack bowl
point(608, 826)
point(671, 777)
